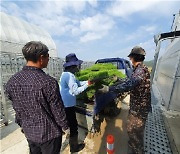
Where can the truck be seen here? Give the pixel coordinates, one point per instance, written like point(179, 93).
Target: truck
point(87, 115)
point(162, 132)
point(122, 64)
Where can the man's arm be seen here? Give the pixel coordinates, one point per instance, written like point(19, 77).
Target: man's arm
point(18, 119)
point(81, 83)
point(7, 90)
point(131, 83)
point(8, 95)
point(73, 86)
point(53, 96)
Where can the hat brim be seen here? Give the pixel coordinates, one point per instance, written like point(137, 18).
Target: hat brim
point(71, 63)
point(129, 55)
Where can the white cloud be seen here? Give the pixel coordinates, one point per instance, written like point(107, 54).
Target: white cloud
point(150, 29)
point(76, 31)
point(81, 20)
point(153, 7)
point(51, 15)
point(93, 28)
point(93, 3)
point(126, 8)
point(98, 22)
point(92, 36)
point(56, 26)
point(141, 32)
point(12, 9)
point(77, 6)
point(68, 5)
point(96, 27)
point(61, 18)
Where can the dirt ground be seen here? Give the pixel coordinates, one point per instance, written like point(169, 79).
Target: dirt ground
point(14, 142)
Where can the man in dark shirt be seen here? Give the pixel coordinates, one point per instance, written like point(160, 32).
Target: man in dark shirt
point(37, 102)
point(140, 99)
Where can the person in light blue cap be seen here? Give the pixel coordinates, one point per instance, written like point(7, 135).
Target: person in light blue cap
point(69, 88)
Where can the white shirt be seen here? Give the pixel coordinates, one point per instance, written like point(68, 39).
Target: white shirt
point(70, 87)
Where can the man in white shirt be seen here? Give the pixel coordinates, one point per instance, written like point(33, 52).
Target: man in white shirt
point(69, 88)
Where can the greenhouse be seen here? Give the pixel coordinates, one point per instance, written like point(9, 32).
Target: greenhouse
point(15, 33)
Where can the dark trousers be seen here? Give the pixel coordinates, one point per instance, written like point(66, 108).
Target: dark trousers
point(72, 121)
point(135, 130)
point(50, 147)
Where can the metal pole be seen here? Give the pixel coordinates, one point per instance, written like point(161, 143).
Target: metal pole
point(5, 119)
point(158, 45)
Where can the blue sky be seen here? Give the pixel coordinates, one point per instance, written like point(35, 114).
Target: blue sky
point(97, 29)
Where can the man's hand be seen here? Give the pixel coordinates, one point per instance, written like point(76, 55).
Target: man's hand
point(114, 78)
point(66, 132)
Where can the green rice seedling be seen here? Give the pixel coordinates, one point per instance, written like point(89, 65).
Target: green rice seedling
point(106, 74)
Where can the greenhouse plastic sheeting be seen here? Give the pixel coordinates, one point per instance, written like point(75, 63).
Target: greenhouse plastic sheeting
point(167, 76)
point(15, 33)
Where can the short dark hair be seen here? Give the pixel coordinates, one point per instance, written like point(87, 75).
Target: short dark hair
point(33, 50)
point(137, 57)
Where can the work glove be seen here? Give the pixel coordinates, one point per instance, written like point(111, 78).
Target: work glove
point(66, 132)
point(104, 89)
point(115, 78)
